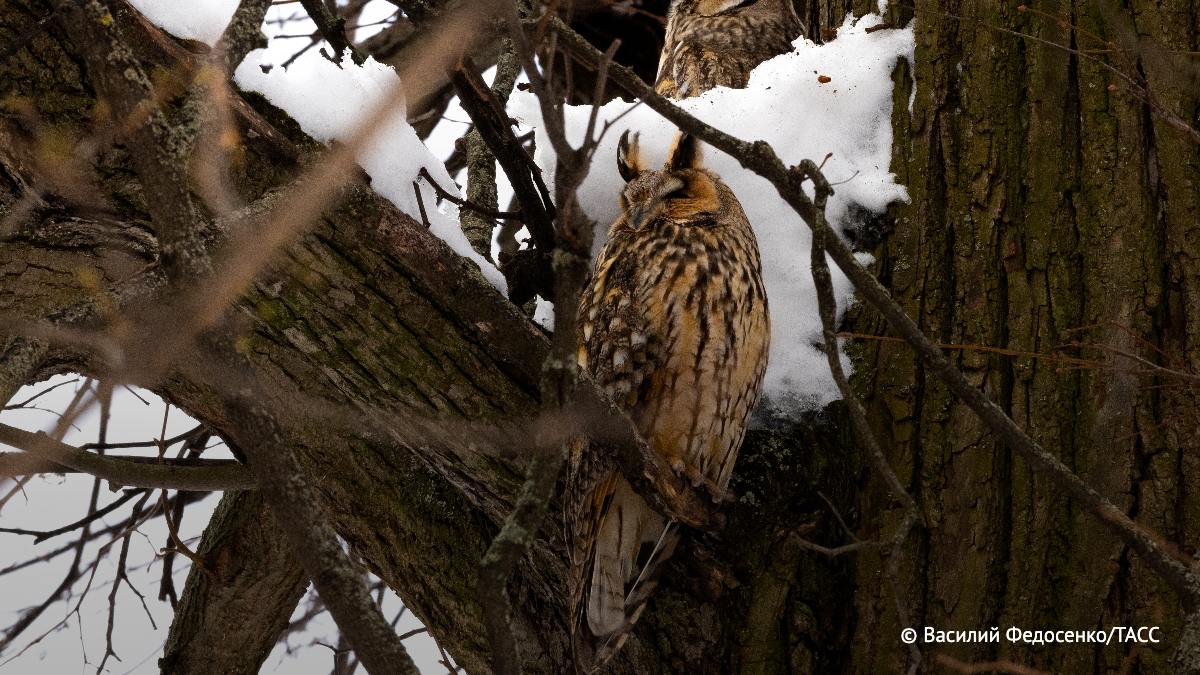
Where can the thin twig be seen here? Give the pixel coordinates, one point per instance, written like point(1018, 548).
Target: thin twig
point(39, 394)
point(464, 203)
point(122, 576)
point(40, 536)
point(560, 377)
point(827, 307)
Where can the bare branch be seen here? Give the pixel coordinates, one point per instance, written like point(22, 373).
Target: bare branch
point(160, 150)
point(827, 307)
point(560, 378)
point(127, 471)
point(243, 34)
point(122, 577)
point(185, 497)
point(333, 29)
point(254, 585)
point(467, 204)
point(39, 394)
point(40, 536)
point(481, 162)
point(537, 208)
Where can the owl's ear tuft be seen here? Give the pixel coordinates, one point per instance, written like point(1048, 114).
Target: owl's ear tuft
point(685, 153)
point(629, 156)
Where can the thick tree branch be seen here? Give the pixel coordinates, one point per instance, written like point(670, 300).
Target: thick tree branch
point(243, 34)
point(313, 541)
point(365, 323)
point(560, 380)
point(481, 162)
point(20, 361)
point(827, 307)
point(251, 592)
point(24, 463)
point(160, 149)
point(333, 29)
point(492, 121)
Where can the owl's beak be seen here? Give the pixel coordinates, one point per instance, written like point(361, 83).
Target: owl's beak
point(643, 213)
point(638, 215)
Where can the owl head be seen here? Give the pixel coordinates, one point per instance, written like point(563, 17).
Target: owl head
point(681, 190)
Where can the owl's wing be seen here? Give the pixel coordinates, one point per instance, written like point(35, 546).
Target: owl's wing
point(594, 485)
point(620, 348)
point(614, 537)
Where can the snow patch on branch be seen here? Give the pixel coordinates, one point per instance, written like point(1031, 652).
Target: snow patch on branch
point(816, 100)
point(203, 21)
point(330, 103)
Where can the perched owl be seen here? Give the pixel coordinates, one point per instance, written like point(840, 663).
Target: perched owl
point(716, 43)
point(674, 329)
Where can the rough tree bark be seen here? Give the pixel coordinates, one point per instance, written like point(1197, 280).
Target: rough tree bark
point(1047, 207)
point(252, 581)
point(395, 355)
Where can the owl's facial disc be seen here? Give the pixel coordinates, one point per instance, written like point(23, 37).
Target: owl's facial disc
point(648, 205)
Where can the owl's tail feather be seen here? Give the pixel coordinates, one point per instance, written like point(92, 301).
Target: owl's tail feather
point(632, 543)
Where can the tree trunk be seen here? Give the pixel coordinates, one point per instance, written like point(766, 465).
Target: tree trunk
point(252, 581)
point(1048, 207)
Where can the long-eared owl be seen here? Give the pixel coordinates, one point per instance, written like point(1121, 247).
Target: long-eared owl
point(675, 330)
point(716, 43)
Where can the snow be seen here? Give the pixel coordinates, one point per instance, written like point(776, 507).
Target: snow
point(203, 21)
point(329, 102)
point(785, 105)
point(543, 314)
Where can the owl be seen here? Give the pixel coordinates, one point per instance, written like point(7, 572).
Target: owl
point(716, 43)
point(674, 329)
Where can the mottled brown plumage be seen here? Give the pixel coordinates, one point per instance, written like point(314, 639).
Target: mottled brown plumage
point(674, 328)
point(716, 43)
